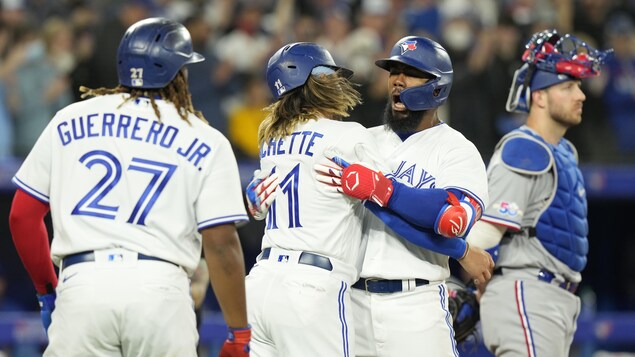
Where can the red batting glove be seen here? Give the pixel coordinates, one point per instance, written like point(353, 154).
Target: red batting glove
point(453, 222)
point(362, 182)
point(237, 343)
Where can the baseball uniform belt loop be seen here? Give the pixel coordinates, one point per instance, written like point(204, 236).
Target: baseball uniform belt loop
point(89, 256)
point(548, 277)
point(305, 258)
point(388, 286)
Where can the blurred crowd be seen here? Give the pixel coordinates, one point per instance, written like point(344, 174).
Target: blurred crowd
point(48, 48)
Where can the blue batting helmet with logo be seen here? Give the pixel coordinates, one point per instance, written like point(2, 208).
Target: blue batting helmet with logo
point(291, 65)
point(426, 56)
point(152, 52)
point(550, 59)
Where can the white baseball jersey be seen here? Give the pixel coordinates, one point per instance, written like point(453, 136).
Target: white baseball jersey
point(303, 216)
point(438, 157)
point(301, 308)
point(115, 176)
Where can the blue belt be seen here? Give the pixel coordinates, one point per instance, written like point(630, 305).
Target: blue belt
point(85, 257)
point(383, 285)
point(548, 277)
point(305, 258)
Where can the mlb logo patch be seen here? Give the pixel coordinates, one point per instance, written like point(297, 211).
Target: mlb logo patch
point(406, 46)
point(115, 257)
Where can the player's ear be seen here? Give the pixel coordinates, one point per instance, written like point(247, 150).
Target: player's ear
point(539, 98)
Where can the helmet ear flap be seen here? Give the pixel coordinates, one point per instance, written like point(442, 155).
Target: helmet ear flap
point(426, 56)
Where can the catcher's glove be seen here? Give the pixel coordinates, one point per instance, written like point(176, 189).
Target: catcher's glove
point(463, 307)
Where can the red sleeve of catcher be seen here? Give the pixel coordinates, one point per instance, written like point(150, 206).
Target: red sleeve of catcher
point(26, 221)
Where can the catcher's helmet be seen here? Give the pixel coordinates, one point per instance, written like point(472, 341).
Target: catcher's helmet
point(291, 65)
point(550, 59)
point(426, 56)
point(152, 51)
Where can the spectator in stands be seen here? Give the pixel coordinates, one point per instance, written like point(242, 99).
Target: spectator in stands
point(42, 84)
point(211, 81)
point(619, 93)
point(245, 119)
point(247, 46)
point(102, 63)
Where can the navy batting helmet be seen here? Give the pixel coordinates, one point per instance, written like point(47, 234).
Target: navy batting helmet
point(426, 56)
point(550, 59)
point(290, 66)
point(152, 51)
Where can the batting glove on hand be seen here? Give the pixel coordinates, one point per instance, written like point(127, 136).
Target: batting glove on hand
point(47, 305)
point(260, 193)
point(237, 343)
point(329, 172)
point(356, 180)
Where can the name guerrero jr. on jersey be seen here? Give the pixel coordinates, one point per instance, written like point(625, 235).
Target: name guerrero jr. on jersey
point(131, 128)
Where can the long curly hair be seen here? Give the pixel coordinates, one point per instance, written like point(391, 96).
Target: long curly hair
point(176, 91)
point(330, 96)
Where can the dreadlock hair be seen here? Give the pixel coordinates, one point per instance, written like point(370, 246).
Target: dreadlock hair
point(325, 95)
point(176, 92)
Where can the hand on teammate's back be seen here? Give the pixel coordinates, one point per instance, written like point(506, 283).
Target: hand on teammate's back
point(237, 343)
point(260, 193)
point(47, 305)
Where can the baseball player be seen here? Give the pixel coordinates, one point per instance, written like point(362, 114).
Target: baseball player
point(422, 208)
point(538, 205)
point(298, 292)
point(137, 184)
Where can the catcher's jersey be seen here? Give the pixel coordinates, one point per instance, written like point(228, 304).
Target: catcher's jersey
point(438, 157)
point(517, 201)
point(304, 216)
point(114, 176)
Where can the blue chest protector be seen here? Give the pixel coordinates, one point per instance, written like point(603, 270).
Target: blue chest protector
point(562, 226)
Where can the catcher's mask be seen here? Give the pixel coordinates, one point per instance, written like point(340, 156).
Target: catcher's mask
point(550, 59)
point(291, 65)
point(152, 52)
point(426, 56)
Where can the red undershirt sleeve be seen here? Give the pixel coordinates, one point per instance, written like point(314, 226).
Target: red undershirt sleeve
point(26, 221)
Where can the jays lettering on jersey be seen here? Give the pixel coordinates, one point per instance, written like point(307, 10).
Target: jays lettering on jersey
point(439, 157)
point(113, 173)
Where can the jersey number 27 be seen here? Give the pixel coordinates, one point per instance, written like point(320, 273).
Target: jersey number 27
point(90, 204)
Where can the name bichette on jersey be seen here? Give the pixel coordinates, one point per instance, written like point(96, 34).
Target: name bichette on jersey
point(300, 143)
point(131, 128)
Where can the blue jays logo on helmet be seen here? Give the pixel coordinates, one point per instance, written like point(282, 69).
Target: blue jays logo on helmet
point(426, 56)
point(408, 46)
point(152, 52)
point(291, 66)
